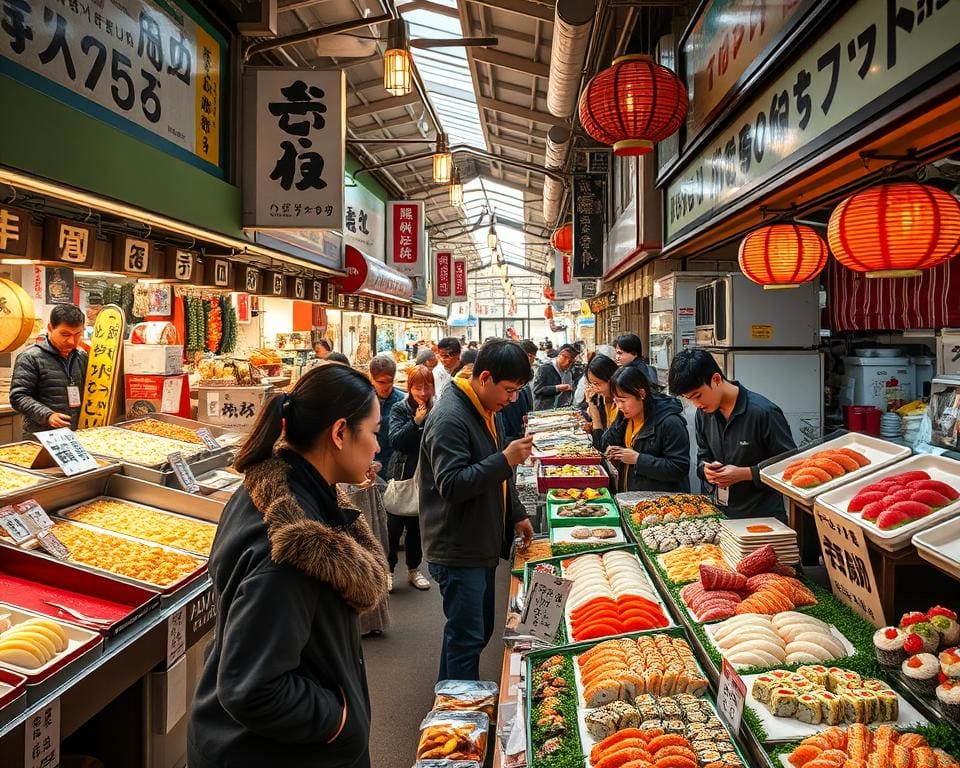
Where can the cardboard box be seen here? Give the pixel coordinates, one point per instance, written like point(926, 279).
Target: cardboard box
point(146, 394)
point(160, 359)
point(234, 407)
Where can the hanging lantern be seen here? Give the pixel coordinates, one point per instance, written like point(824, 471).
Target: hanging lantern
point(633, 105)
point(562, 239)
point(396, 59)
point(895, 230)
point(548, 293)
point(783, 255)
point(442, 161)
point(548, 312)
point(455, 189)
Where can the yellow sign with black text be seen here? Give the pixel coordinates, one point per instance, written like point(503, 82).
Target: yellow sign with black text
point(761, 332)
point(100, 387)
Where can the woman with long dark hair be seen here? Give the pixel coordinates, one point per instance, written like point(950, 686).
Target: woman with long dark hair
point(283, 682)
point(599, 405)
point(649, 439)
point(406, 430)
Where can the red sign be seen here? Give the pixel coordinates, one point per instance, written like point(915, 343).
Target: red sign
point(444, 279)
point(460, 279)
point(405, 237)
point(366, 274)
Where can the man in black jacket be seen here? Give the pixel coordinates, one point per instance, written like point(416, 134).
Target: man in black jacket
point(47, 379)
point(555, 383)
point(736, 430)
point(513, 417)
point(469, 509)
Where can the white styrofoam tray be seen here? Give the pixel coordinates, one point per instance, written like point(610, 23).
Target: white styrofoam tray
point(563, 535)
point(737, 530)
point(880, 452)
point(848, 646)
point(80, 641)
point(938, 467)
point(787, 729)
point(941, 545)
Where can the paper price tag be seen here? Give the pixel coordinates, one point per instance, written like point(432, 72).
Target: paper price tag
point(14, 525)
point(53, 545)
point(731, 693)
point(176, 636)
point(543, 606)
point(34, 515)
point(67, 451)
point(183, 472)
point(41, 745)
point(208, 440)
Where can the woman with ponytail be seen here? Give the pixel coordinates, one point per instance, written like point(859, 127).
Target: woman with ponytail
point(283, 682)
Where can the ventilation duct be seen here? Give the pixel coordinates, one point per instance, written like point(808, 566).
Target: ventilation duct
point(571, 37)
point(558, 143)
point(552, 197)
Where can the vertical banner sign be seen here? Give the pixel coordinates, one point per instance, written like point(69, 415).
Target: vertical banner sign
point(103, 369)
point(148, 67)
point(294, 148)
point(460, 280)
point(563, 286)
point(443, 290)
point(405, 237)
point(589, 193)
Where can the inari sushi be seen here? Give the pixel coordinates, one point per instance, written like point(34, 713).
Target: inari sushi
point(783, 702)
point(808, 709)
point(831, 708)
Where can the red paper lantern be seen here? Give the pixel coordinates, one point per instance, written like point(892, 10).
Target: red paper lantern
point(548, 312)
point(633, 105)
point(783, 255)
point(562, 239)
point(895, 230)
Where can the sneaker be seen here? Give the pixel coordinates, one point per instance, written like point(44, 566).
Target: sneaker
point(389, 582)
point(418, 580)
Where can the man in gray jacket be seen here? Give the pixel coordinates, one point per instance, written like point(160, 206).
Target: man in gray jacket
point(469, 509)
point(47, 382)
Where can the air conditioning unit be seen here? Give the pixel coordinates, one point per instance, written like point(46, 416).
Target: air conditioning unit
point(259, 19)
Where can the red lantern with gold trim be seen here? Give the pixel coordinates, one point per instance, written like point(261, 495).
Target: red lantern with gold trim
point(633, 105)
point(783, 255)
point(895, 230)
point(562, 239)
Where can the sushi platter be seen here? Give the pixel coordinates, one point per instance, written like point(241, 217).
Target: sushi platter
point(578, 494)
point(592, 513)
point(893, 504)
point(862, 455)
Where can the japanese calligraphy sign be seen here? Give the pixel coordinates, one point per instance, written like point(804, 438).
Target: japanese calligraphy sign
point(66, 450)
point(132, 255)
point(366, 274)
point(183, 472)
point(443, 277)
point(838, 85)
point(273, 284)
point(100, 389)
point(728, 39)
point(317, 293)
point(543, 606)
point(847, 559)
point(147, 66)
point(247, 280)
point(41, 745)
point(405, 237)
point(563, 286)
point(179, 264)
point(68, 242)
point(14, 231)
point(589, 194)
point(294, 148)
point(297, 288)
point(731, 693)
point(217, 272)
point(363, 221)
point(14, 525)
point(460, 280)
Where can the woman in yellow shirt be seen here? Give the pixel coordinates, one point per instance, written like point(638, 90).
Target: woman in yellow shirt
point(649, 440)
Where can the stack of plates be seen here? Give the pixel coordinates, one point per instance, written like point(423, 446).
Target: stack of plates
point(739, 538)
point(890, 425)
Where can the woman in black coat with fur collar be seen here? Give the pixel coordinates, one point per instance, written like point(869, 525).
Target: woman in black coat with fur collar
point(293, 567)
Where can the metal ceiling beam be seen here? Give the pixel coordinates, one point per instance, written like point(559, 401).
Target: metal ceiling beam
point(515, 110)
point(521, 7)
point(517, 146)
point(393, 102)
point(426, 5)
point(296, 5)
point(364, 130)
point(467, 150)
point(509, 61)
point(312, 34)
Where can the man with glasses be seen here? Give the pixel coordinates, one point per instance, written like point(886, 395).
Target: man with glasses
point(448, 351)
point(555, 380)
point(469, 509)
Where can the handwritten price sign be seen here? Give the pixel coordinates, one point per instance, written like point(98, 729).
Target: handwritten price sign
point(543, 608)
point(731, 693)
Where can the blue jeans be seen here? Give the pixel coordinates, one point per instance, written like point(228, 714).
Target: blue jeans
point(468, 605)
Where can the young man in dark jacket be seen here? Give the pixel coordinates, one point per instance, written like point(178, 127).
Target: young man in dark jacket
point(47, 382)
point(736, 430)
point(383, 373)
point(555, 383)
point(469, 509)
point(513, 417)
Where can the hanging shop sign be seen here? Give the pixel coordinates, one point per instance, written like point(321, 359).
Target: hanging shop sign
point(330, 292)
point(841, 84)
point(294, 148)
point(247, 279)
point(14, 231)
point(598, 162)
point(274, 285)
point(364, 219)
point(366, 274)
point(216, 272)
point(730, 41)
point(68, 242)
point(58, 285)
point(589, 193)
point(297, 288)
point(406, 237)
point(460, 280)
point(443, 277)
point(588, 288)
point(563, 287)
point(151, 69)
point(135, 256)
point(103, 369)
point(316, 291)
point(178, 264)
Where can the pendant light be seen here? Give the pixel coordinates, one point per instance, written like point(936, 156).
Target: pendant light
point(442, 161)
point(455, 190)
point(782, 255)
point(492, 239)
point(396, 59)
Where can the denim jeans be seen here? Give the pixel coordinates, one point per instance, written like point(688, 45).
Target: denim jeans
point(468, 605)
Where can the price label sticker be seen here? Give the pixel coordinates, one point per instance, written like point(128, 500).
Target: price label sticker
point(176, 636)
point(544, 605)
point(183, 472)
point(53, 545)
point(731, 693)
point(208, 440)
point(34, 515)
point(67, 451)
point(13, 524)
point(41, 747)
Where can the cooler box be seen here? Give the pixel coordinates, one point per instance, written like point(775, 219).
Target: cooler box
point(234, 407)
point(870, 377)
point(148, 393)
point(161, 359)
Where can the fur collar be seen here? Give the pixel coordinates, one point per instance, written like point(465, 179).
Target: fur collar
point(348, 558)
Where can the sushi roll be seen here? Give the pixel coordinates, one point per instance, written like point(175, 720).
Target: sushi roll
point(948, 694)
point(945, 622)
point(601, 724)
point(655, 724)
point(725, 746)
point(674, 726)
point(783, 702)
point(855, 709)
point(888, 646)
point(874, 685)
point(763, 686)
point(815, 673)
point(708, 756)
point(929, 638)
point(872, 703)
point(627, 715)
point(920, 672)
point(889, 706)
point(831, 707)
point(808, 709)
point(950, 662)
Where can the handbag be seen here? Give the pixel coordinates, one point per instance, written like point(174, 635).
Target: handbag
point(402, 497)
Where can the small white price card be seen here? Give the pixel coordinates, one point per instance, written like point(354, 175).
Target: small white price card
point(67, 451)
point(543, 606)
point(34, 515)
point(183, 472)
point(14, 525)
point(176, 636)
point(41, 745)
point(208, 440)
point(53, 545)
point(731, 693)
